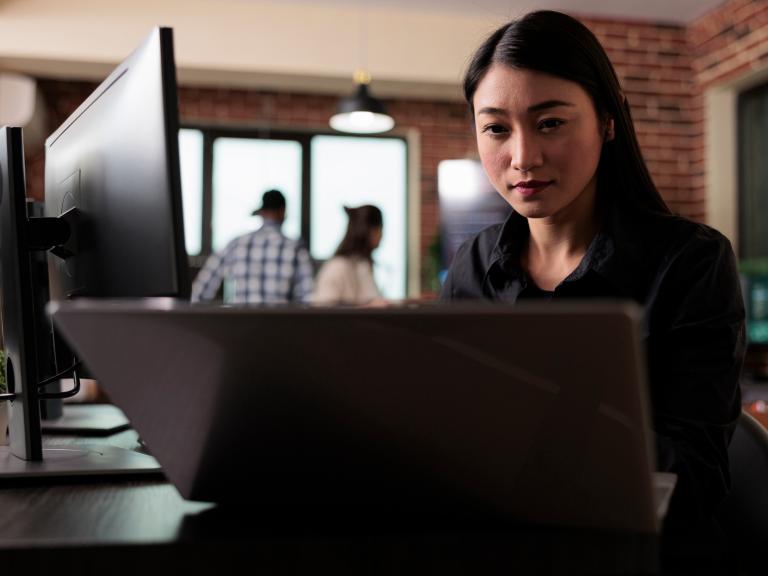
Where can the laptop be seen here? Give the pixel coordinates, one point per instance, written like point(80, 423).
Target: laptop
point(407, 416)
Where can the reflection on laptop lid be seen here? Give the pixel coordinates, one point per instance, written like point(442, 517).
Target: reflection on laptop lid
point(532, 414)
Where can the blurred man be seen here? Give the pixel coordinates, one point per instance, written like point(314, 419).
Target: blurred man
point(265, 267)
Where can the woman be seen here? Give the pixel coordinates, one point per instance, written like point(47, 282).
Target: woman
point(347, 278)
point(556, 138)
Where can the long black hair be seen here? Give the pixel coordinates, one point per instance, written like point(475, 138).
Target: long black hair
point(357, 241)
point(557, 44)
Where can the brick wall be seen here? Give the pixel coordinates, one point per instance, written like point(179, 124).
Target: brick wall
point(663, 69)
point(729, 42)
point(726, 44)
point(444, 127)
point(653, 63)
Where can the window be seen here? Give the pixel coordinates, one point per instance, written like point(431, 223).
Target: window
point(191, 160)
point(350, 171)
point(753, 173)
point(753, 206)
point(243, 169)
point(225, 172)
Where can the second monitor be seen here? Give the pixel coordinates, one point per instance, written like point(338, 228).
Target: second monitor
point(113, 182)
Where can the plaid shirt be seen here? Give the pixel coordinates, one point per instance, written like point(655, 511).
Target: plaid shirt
point(265, 267)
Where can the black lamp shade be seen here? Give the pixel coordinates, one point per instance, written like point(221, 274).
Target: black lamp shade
point(361, 113)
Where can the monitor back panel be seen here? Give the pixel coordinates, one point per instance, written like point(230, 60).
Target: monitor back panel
point(398, 417)
point(112, 170)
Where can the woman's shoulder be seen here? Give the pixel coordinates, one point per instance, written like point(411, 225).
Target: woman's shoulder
point(680, 242)
point(681, 232)
point(481, 246)
point(470, 264)
point(335, 263)
point(342, 265)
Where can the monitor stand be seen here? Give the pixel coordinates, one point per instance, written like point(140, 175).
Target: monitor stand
point(87, 419)
point(21, 238)
point(81, 461)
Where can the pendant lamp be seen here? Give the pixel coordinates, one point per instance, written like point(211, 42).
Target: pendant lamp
point(361, 113)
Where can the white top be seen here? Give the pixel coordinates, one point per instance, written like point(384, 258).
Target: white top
point(345, 280)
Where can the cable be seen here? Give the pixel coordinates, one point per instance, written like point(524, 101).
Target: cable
point(65, 394)
point(50, 380)
point(59, 375)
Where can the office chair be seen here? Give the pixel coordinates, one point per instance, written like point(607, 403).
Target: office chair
point(744, 514)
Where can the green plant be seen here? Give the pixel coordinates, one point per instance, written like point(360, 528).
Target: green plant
point(433, 264)
point(754, 267)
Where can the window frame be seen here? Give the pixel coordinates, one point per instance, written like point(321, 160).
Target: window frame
point(211, 132)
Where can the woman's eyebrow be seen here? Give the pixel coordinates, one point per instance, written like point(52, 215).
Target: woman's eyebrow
point(546, 105)
point(492, 110)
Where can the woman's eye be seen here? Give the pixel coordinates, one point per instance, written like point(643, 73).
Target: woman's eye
point(550, 124)
point(494, 129)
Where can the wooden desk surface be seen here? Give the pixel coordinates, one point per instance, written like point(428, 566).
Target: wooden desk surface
point(143, 526)
point(59, 512)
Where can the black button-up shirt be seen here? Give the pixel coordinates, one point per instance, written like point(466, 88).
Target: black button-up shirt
point(684, 276)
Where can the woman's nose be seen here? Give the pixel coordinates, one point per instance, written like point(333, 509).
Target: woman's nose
point(525, 153)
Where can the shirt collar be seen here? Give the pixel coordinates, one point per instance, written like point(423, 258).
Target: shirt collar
point(616, 253)
point(269, 223)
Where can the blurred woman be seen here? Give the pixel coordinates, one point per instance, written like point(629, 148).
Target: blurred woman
point(347, 278)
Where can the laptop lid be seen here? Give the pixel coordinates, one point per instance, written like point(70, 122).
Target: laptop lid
point(472, 413)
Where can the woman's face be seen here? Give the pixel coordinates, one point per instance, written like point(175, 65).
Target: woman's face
point(539, 139)
point(375, 237)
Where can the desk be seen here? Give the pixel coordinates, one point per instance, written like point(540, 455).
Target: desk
point(144, 526)
point(92, 511)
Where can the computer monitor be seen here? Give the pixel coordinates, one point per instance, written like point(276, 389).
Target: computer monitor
point(18, 299)
point(113, 215)
point(112, 169)
point(468, 204)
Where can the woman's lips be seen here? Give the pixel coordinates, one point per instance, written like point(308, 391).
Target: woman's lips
point(530, 187)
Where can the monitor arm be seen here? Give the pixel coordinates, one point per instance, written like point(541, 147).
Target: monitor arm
point(54, 234)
